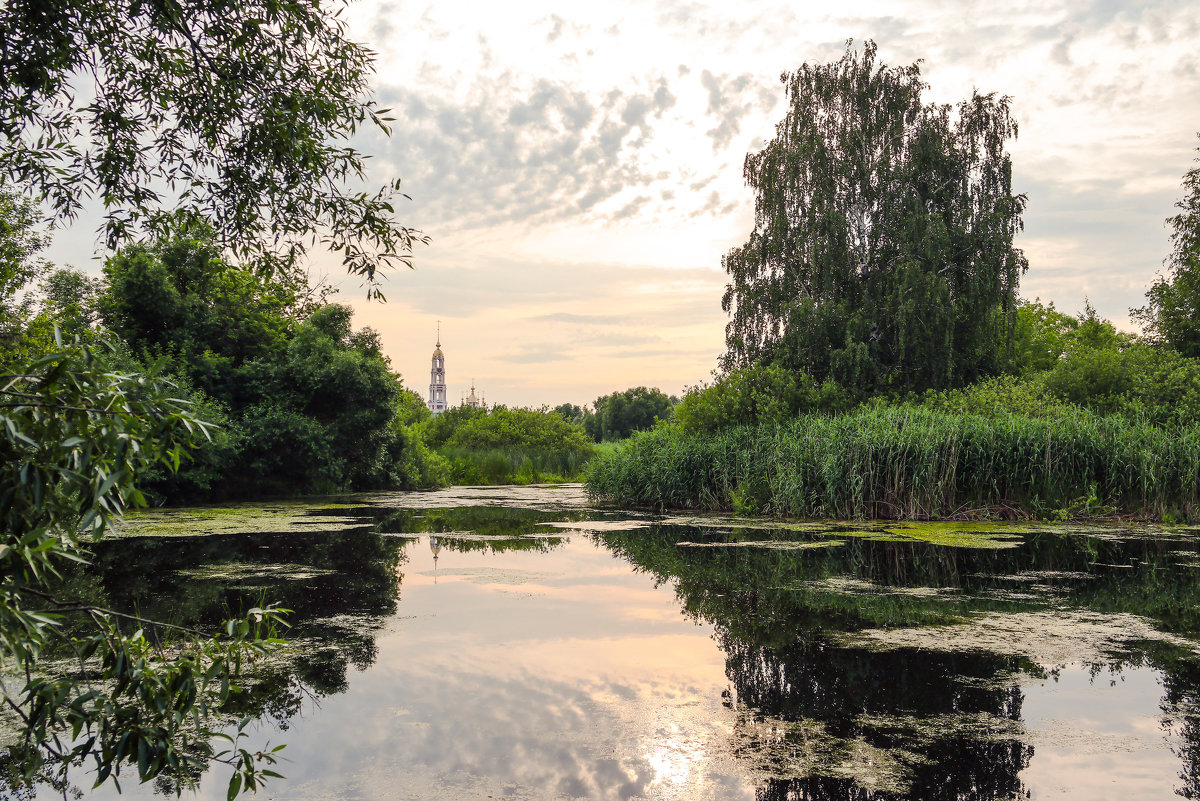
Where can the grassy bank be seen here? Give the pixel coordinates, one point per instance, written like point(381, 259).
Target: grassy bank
point(912, 462)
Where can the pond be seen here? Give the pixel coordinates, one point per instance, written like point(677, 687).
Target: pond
point(516, 643)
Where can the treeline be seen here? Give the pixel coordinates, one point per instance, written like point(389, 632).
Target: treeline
point(299, 400)
point(879, 360)
point(618, 415)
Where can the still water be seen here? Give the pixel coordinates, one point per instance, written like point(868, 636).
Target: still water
point(515, 643)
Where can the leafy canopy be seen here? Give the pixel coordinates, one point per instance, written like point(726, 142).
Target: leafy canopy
point(882, 252)
point(20, 242)
point(619, 414)
point(234, 111)
point(309, 403)
point(1173, 313)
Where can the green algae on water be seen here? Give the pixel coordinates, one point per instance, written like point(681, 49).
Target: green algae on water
point(778, 749)
point(771, 545)
point(1046, 638)
point(950, 535)
point(241, 519)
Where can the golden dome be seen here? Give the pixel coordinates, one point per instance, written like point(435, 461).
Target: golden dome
point(437, 351)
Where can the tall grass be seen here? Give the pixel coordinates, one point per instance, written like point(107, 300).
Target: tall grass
point(912, 462)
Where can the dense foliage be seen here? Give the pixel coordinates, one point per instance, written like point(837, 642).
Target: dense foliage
point(512, 446)
point(307, 403)
point(882, 252)
point(767, 394)
point(75, 437)
point(879, 361)
point(237, 113)
point(20, 242)
point(1109, 409)
point(1173, 313)
point(619, 414)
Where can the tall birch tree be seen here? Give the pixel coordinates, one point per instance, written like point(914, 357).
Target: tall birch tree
point(882, 253)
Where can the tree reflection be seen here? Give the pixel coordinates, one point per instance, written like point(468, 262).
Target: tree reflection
point(340, 585)
point(821, 719)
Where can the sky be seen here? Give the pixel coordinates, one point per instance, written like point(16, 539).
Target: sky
point(578, 167)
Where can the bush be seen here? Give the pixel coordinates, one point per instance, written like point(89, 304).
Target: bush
point(519, 428)
point(1144, 382)
point(1004, 395)
point(763, 395)
point(505, 446)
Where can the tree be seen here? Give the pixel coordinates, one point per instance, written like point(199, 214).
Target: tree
point(760, 395)
point(232, 111)
point(321, 410)
point(308, 402)
point(20, 241)
point(1041, 335)
point(882, 252)
point(71, 298)
point(1173, 313)
point(620, 414)
point(571, 412)
point(177, 297)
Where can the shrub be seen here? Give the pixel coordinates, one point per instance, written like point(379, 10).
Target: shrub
point(765, 395)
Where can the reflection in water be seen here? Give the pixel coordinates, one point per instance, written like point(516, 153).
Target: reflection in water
point(545, 650)
point(340, 584)
point(824, 717)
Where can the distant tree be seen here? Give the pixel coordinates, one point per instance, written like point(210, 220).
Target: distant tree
point(569, 411)
point(519, 428)
point(1173, 313)
point(411, 408)
point(882, 252)
point(71, 298)
point(619, 414)
point(438, 428)
point(238, 113)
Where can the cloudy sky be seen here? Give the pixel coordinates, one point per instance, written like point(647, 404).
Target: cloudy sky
point(579, 166)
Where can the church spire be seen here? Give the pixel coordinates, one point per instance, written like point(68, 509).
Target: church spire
point(437, 376)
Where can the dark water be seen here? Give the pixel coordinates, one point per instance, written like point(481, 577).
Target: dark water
point(513, 643)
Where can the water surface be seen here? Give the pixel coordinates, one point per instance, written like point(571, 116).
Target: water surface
point(516, 643)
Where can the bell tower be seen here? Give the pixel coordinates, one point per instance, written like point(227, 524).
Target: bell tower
point(437, 377)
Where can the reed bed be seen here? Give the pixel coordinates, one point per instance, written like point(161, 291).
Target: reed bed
point(914, 463)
